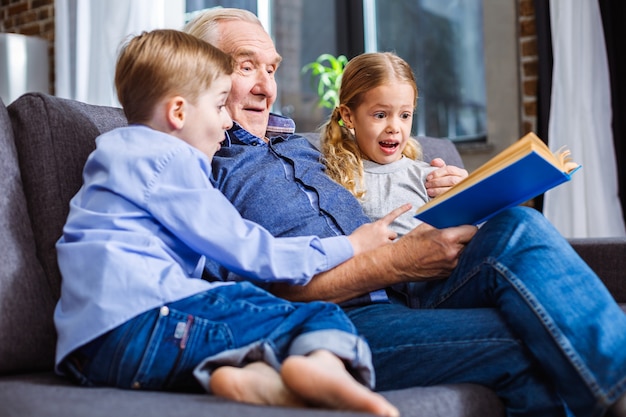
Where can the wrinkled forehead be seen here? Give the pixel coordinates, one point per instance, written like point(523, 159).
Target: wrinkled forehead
point(246, 40)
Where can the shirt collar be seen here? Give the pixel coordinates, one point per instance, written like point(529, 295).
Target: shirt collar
point(280, 125)
point(277, 125)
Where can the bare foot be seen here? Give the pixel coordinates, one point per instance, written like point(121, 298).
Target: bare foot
point(322, 379)
point(255, 383)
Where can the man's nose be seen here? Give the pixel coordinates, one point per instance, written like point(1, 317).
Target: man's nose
point(265, 84)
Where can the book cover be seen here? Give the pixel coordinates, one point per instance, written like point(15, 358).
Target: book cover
point(520, 173)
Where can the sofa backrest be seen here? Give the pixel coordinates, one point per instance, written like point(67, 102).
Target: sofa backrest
point(26, 329)
point(53, 137)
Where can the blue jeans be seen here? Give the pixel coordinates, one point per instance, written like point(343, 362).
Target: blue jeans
point(522, 314)
point(228, 325)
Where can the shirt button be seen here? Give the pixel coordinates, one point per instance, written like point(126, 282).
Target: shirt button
point(165, 311)
point(136, 385)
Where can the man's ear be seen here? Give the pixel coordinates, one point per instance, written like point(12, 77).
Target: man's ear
point(346, 116)
point(176, 109)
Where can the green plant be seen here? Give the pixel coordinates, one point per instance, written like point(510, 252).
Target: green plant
point(327, 70)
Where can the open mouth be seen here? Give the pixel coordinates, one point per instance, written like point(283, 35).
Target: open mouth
point(388, 145)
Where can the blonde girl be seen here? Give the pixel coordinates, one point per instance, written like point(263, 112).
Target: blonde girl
point(366, 142)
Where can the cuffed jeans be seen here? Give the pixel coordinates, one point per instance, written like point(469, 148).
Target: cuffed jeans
point(228, 325)
point(521, 314)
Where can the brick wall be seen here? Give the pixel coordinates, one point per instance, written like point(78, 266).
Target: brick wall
point(31, 18)
point(528, 65)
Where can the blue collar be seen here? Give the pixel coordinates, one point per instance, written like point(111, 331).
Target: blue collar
point(277, 125)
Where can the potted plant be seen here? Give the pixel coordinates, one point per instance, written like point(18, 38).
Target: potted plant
point(327, 71)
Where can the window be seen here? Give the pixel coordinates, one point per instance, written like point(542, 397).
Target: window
point(442, 40)
point(302, 31)
point(197, 5)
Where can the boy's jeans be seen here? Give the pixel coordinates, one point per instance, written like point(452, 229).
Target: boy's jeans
point(228, 325)
point(522, 314)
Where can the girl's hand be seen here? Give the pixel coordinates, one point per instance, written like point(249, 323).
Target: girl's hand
point(443, 178)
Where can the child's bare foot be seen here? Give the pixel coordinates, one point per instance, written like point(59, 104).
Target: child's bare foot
point(322, 379)
point(255, 383)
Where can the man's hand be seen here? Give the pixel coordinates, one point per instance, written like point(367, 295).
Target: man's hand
point(429, 253)
point(443, 178)
point(423, 254)
point(372, 235)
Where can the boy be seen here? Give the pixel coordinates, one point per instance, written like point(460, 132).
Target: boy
point(134, 312)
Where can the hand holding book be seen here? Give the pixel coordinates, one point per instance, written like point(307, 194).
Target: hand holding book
point(521, 172)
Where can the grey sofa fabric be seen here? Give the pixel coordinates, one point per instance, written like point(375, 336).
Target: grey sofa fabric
point(51, 139)
point(44, 142)
point(607, 257)
point(51, 153)
point(26, 328)
point(47, 395)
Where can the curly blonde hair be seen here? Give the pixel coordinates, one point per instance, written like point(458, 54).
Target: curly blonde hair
point(342, 156)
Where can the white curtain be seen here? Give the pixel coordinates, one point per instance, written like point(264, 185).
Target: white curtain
point(580, 118)
point(88, 35)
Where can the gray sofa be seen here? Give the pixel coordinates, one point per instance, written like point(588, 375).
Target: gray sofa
point(44, 142)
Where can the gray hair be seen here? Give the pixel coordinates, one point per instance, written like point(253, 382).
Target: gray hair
point(205, 24)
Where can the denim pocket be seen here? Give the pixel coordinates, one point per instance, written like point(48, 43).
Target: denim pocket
point(178, 342)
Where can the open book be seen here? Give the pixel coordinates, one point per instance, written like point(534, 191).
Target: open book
point(521, 172)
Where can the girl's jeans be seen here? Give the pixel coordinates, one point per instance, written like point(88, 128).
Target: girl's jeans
point(228, 325)
point(522, 314)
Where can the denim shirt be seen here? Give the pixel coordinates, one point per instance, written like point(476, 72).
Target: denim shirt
point(282, 185)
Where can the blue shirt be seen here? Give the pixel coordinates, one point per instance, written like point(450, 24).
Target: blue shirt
point(283, 186)
point(141, 226)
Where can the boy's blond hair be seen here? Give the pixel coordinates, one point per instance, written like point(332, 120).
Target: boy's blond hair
point(342, 157)
point(165, 62)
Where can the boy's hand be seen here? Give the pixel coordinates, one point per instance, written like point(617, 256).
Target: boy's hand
point(372, 235)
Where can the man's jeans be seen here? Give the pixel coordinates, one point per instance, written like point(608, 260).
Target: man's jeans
point(228, 325)
point(522, 314)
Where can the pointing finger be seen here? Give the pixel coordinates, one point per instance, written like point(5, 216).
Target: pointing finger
point(394, 214)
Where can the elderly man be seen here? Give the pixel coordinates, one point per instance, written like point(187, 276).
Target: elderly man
point(510, 306)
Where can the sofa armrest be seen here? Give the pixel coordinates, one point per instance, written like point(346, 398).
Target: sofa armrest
point(607, 257)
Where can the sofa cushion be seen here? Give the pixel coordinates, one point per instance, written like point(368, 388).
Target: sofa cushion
point(606, 257)
point(51, 154)
point(27, 335)
point(45, 394)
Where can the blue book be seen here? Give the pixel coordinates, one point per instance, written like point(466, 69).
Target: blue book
point(521, 172)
